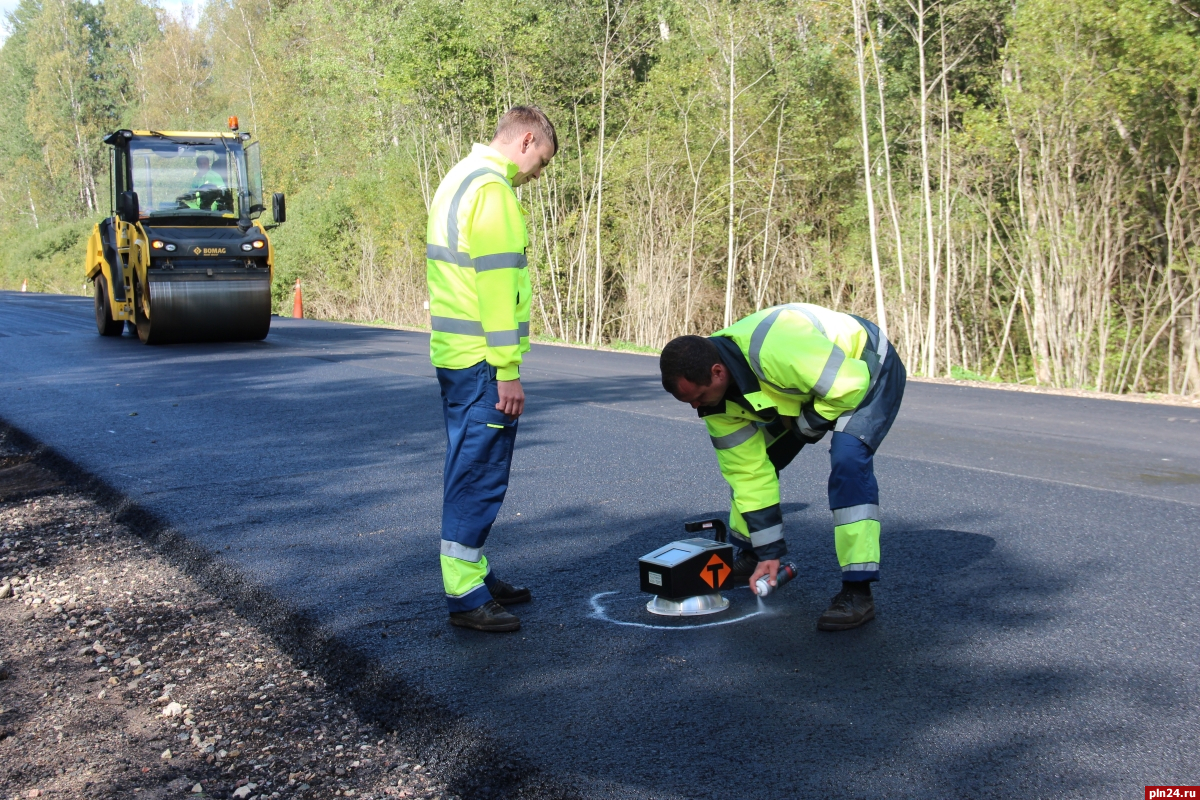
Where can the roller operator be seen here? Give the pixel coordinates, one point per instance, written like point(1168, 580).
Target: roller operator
point(204, 179)
point(205, 175)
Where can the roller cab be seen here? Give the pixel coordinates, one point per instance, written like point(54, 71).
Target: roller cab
point(184, 256)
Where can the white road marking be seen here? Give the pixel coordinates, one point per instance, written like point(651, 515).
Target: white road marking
point(599, 613)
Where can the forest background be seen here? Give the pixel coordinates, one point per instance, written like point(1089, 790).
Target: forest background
point(1010, 189)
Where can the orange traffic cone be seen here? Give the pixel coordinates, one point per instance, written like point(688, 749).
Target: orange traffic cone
point(297, 303)
point(25, 285)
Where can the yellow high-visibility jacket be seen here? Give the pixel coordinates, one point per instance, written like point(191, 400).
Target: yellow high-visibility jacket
point(475, 267)
point(795, 366)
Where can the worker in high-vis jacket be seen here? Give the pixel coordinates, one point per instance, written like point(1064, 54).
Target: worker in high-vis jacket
point(479, 294)
point(765, 387)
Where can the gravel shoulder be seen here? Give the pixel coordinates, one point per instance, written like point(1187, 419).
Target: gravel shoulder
point(122, 676)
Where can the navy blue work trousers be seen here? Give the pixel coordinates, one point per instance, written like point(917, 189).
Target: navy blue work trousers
point(479, 448)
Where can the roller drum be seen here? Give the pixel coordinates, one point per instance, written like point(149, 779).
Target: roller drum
point(200, 308)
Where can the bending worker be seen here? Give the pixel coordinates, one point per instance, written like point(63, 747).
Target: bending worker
point(479, 293)
point(766, 386)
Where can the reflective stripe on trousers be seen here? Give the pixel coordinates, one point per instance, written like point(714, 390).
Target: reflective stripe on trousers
point(462, 552)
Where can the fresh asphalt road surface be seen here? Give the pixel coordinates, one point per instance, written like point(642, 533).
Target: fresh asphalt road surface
point(1038, 615)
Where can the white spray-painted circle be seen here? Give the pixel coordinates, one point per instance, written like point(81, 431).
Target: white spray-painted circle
point(599, 613)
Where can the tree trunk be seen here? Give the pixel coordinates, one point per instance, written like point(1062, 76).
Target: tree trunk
point(597, 293)
point(730, 252)
point(893, 210)
point(860, 21)
point(930, 347)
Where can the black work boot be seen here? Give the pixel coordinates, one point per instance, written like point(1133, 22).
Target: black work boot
point(744, 565)
point(508, 595)
point(490, 616)
point(850, 607)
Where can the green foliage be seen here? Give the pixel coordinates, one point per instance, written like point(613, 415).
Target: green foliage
point(50, 259)
point(1060, 233)
point(964, 374)
point(632, 347)
point(349, 229)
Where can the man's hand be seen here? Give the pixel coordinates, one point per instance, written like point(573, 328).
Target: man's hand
point(512, 401)
point(769, 568)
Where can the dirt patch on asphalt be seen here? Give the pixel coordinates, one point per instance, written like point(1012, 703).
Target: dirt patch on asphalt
point(121, 677)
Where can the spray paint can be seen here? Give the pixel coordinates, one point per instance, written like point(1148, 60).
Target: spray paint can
point(786, 573)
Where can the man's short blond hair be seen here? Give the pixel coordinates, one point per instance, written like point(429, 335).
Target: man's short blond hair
point(521, 119)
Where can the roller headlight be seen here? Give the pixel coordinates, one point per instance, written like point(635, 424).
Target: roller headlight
point(170, 248)
point(247, 247)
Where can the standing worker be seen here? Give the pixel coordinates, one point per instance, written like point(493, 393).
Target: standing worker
point(479, 293)
point(772, 383)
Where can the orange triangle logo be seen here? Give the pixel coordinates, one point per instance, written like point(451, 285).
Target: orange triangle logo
point(715, 572)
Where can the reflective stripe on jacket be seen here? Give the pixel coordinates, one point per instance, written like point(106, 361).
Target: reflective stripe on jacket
point(796, 366)
point(479, 286)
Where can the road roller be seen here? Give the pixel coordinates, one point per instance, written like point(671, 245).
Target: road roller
point(184, 256)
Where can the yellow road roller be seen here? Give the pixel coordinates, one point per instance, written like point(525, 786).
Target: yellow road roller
point(184, 256)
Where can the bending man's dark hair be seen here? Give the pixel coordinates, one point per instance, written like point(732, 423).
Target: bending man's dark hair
point(690, 357)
